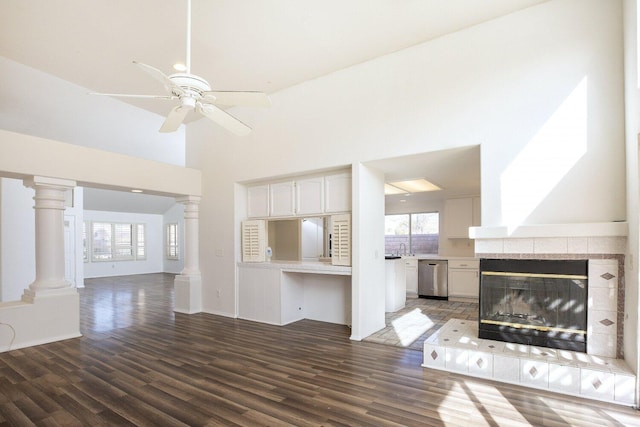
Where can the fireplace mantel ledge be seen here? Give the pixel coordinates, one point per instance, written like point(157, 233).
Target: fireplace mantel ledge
point(595, 229)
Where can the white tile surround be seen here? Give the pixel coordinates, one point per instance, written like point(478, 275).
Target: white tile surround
point(601, 373)
point(456, 348)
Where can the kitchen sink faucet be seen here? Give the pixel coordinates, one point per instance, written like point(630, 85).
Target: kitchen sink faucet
point(400, 247)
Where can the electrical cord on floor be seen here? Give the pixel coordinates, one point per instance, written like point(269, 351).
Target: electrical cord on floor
point(13, 338)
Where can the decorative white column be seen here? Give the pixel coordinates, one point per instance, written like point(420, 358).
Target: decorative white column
point(188, 284)
point(49, 217)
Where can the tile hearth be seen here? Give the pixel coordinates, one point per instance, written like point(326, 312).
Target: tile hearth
point(456, 348)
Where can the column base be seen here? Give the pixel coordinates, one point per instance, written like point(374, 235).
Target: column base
point(187, 294)
point(31, 295)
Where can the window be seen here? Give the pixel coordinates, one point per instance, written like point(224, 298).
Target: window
point(116, 241)
point(141, 251)
point(172, 241)
point(418, 232)
point(85, 243)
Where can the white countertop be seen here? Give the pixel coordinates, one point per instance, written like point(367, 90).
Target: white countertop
point(300, 267)
point(442, 257)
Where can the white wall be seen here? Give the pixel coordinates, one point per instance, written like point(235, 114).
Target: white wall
point(67, 114)
point(175, 215)
point(17, 238)
point(497, 84)
point(154, 245)
point(632, 122)
point(76, 210)
point(367, 254)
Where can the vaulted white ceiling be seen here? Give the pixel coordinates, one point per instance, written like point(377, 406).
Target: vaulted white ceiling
point(264, 45)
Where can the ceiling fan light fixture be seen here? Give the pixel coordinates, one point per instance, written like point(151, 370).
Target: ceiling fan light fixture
point(179, 66)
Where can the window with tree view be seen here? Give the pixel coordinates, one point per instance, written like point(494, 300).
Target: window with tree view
point(418, 232)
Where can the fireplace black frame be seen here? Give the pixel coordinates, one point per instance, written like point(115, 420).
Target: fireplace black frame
point(543, 336)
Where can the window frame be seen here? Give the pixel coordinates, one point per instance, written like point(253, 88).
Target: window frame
point(410, 232)
point(117, 245)
point(172, 242)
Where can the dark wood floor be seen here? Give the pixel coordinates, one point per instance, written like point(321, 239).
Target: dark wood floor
point(138, 363)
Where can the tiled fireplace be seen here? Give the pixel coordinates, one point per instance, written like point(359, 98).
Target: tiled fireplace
point(597, 370)
point(534, 302)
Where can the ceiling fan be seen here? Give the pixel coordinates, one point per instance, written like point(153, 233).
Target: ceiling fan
point(194, 93)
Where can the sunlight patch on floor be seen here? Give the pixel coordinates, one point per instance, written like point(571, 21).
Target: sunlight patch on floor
point(409, 327)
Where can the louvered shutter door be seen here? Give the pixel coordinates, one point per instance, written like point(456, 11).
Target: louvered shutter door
point(341, 239)
point(253, 240)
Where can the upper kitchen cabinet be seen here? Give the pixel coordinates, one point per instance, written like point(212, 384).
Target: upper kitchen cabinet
point(282, 199)
point(258, 201)
point(458, 217)
point(310, 196)
point(337, 193)
point(302, 196)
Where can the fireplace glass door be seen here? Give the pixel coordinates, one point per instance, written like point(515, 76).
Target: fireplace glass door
point(535, 302)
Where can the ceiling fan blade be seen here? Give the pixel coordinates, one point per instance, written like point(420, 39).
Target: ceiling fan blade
point(128, 95)
point(224, 119)
point(238, 98)
point(174, 119)
point(161, 77)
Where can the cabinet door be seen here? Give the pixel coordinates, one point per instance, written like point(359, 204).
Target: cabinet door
point(281, 198)
point(337, 197)
point(341, 239)
point(254, 240)
point(458, 217)
point(259, 295)
point(411, 275)
point(258, 201)
point(310, 196)
point(463, 283)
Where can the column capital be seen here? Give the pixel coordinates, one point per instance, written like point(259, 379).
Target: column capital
point(43, 181)
point(189, 200)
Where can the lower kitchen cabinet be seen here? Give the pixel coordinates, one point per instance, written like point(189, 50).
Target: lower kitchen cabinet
point(464, 279)
point(411, 276)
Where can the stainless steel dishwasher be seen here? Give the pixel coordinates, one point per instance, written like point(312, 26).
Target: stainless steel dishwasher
point(432, 279)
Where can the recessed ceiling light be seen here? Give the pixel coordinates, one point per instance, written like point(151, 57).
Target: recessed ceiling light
point(390, 189)
point(136, 191)
point(179, 66)
point(415, 186)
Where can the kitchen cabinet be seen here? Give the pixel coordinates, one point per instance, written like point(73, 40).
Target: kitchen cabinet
point(310, 196)
point(458, 217)
point(281, 199)
point(258, 201)
point(337, 196)
point(411, 275)
point(463, 278)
